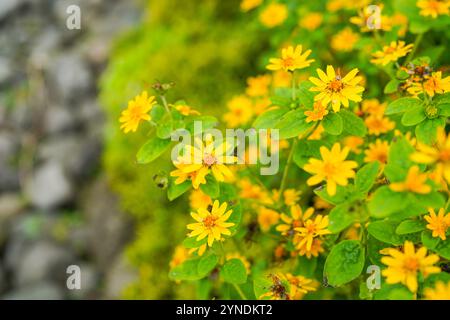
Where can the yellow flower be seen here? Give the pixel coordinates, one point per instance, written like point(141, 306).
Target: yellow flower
point(312, 229)
point(299, 286)
point(403, 267)
point(317, 114)
point(366, 18)
point(311, 21)
point(415, 182)
point(179, 256)
point(258, 86)
point(247, 5)
point(377, 124)
point(291, 196)
point(236, 255)
point(314, 251)
point(440, 292)
point(281, 78)
point(439, 223)
point(252, 191)
point(333, 168)
point(437, 154)
point(273, 15)
point(137, 111)
point(345, 40)
point(433, 84)
point(278, 290)
point(260, 105)
point(186, 110)
point(317, 133)
point(294, 221)
point(339, 90)
point(353, 143)
point(433, 8)
point(200, 250)
point(241, 111)
point(200, 158)
point(197, 199)
point(291, 59)
point(377, 151)
point(373, 107)
point(267, 218)
point(391, 53)
point(212, 224)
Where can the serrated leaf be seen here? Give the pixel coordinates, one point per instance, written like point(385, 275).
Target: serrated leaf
point(152, 149)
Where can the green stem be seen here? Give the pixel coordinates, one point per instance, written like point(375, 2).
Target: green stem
point(286, 170)
point(241, 294)
point(416, 45)
point(166, 106)
point(447, 205)
point(293, 87)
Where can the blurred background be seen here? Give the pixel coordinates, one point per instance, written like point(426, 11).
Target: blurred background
point(70, 190)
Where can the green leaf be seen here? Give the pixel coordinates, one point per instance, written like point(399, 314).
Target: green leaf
point(157, 113)
point(164, 129)
point(207, 263)
point(191, 242)
point(428, 240)
point(233, 271)
point(426, 131)
point(261, 285)
point(332, 124)
point(344, 263)
point(385, 232)
point(413, 116)
point(269, 119)
point(391, 86)
point(353, 124)
point(399, 154)
point(343, 194)
point(152, 149)
point(366, 176)
point(402, 105)
point(444, 110)
point(409, 226)
point(305, 96)
point(385, 202)
point(340, 218)
point(442, 98)
point(308, 149)
point(207, 122)
point(235, 217)
point(176, 190)
point(211, 188)
point(393, 292)
point(292, 124)
point(306, 267)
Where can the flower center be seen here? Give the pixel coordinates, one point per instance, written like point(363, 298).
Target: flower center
point(411, 264)
point(209, 159)
point(444, 155)
point(329, 169)
point(288, 62)
point(209, 221)
point(390, 50)
point(336, 85)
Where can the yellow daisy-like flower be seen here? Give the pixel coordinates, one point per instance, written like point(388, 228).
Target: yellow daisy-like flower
point(247, 5)
point(291, 196)
point(273, 15)
point(201, 158)
point(334, 88)
point(377, 151)
point(404, 267)
point(439, 223)
point(179, 256)
point(345, 40)
point(252, 191)
point(281, 78)
point(441, 291)
point(433, 8)
point(267, 218)
point(241, 111)
point(314, 251)
point(377, 124)
point(212, 224)
point(353, 143)
point(373, 107)
point(138, 110)
point(433, 84)
point(294, 221)
point(260, 105)
point(258, 86)
point(333, 168)
point(311, 21)
point(319, 111)
point(198, 199)
point(391, 53)
point(186, 110)
point(438, 154)
point(312, 229)
point(415, 182)
point(291, 59)
point(299, 286)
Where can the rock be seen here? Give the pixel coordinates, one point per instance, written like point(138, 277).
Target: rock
point(39, 291)
point(6, 71)
point(7, 7)
point(43, 260)
point(70, 77)
point(104, 221)
point(10, 204)
point(49, 186)
point(9, 178)
point(58, 120)
point(119, 276)
point(3, 284)
point(44, 47)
